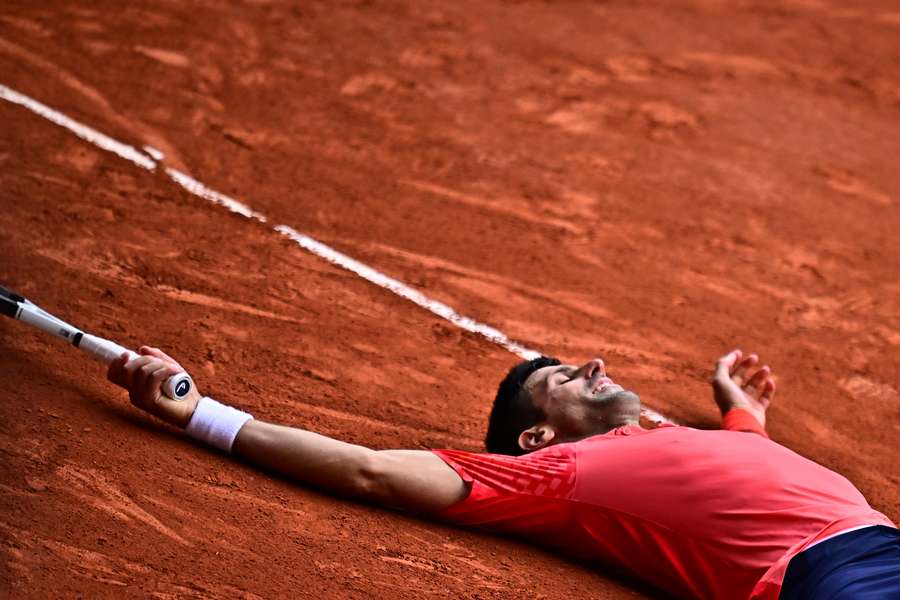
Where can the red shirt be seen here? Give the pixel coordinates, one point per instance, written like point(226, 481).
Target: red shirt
point(701, 514)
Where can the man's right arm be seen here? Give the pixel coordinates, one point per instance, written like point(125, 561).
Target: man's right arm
point(413, 480)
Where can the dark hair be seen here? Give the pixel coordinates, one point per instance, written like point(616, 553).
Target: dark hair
point(513, 410)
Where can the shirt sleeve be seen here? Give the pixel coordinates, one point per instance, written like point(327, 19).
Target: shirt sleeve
point(513, 494)
point(738, 419)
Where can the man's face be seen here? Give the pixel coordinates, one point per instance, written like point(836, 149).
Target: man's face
point(581, 401)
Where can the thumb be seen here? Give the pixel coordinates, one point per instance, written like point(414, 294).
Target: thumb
point(151, 351)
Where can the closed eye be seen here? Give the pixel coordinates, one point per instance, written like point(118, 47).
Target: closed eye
point(567, 375)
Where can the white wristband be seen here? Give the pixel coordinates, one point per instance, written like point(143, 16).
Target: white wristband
point(216, 424)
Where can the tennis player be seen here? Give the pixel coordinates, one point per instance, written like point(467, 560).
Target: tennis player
point(701, 514)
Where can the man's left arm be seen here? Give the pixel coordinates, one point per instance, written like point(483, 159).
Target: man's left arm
point(743, 392)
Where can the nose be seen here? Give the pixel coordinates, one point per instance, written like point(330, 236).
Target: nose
point(594, 367)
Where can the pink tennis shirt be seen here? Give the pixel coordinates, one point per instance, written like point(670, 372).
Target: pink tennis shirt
point(701, 514)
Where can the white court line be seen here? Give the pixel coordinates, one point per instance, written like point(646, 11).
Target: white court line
point(401, 289)
point(314, 246)
point(83, 131)
point(198, 189)
point(156, 154)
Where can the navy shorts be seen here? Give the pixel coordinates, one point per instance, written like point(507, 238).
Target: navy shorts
point(859, 565)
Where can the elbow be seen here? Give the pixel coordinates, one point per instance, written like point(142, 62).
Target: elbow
point(370, 478)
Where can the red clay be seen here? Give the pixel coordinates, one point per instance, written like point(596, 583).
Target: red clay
point(654, 186)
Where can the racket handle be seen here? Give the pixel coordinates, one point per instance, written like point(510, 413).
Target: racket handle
point(175, 387)
point(178, 386)
point(105, 350)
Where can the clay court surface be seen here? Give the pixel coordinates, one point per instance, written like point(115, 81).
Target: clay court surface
point(652, 186)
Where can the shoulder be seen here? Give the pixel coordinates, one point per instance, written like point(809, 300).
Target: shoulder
point(550, 469)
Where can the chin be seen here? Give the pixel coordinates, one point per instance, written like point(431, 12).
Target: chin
point(618, 396)
point(630, 399)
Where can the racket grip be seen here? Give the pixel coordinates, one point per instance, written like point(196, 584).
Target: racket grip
point(176, 387)
point(104, 349)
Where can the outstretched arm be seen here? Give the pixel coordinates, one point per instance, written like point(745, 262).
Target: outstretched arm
point(413, 480)
point(735, 387)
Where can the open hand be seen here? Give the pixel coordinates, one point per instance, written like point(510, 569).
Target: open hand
point(734, 386)
point(143, 378)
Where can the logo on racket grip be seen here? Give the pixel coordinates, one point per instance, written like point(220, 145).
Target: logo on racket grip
point(182, 388)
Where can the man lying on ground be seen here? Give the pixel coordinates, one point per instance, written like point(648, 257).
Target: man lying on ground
point(701, 514)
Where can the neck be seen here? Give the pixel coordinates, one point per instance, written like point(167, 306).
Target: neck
point(599, 427)
point(626, 420)
point(626, 411)
point(619, 421)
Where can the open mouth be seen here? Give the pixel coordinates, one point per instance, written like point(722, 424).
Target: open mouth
point(605, 385)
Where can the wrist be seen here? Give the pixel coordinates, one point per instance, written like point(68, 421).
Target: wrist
point(730, 406)
point(215, 423)
point(180, 412)
point(739, 418)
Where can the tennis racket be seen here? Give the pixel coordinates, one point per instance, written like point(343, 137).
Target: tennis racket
point(15, 306)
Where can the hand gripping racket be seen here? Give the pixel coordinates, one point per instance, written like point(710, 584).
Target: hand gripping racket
point(13, 305)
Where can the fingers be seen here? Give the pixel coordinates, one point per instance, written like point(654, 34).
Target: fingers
point(768, 393)
point(761, 386)
point(737, 367)
point(154, 374)
point(146, 375)
point(756, 381)
point(151, 351)
point(115, 372)
point(739, 372)
point(134, 372)
point(726, 363)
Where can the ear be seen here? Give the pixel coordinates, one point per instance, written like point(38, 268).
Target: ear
point(536, 437)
